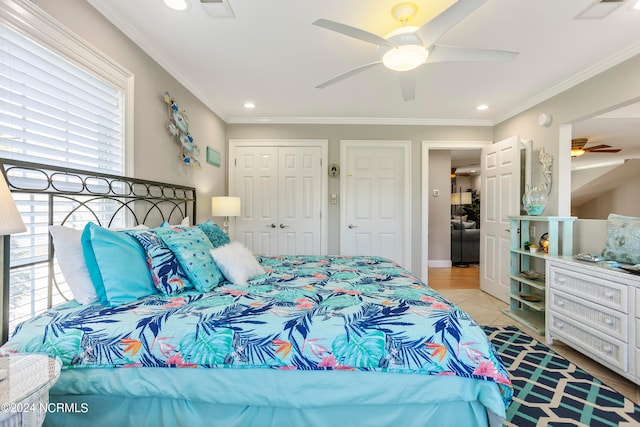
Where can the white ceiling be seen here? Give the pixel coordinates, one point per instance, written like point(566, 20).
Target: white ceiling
point(272, 55)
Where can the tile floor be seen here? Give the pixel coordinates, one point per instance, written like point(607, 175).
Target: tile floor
point(486, 310)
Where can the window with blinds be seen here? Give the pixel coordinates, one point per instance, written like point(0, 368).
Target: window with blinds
point(53, 112)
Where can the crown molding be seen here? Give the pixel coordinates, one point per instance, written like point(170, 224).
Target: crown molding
point(121, 24)
point(399, 121)
point(584, 75)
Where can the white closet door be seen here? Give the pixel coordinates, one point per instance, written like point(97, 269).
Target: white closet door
point(376, 200)
point(281, 197)
point(299, 187)
point(256, 183)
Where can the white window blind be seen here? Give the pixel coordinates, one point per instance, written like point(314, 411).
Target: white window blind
point(54, 111)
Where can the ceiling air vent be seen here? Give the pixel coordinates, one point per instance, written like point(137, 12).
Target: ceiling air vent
point(218, 8)
point(599, 9)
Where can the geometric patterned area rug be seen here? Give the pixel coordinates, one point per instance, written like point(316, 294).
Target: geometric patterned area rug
point(551, 391)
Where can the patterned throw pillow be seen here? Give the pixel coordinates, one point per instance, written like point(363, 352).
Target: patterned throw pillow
point(217, 236)
point(168, 276)
point(191, 246)
point(623, 239)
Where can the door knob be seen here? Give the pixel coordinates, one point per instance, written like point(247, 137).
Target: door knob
point(353, 226)
point(283, 226)
point(272, 226)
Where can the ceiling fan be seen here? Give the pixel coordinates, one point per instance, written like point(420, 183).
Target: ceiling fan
point(578, 147)
point(408, 47)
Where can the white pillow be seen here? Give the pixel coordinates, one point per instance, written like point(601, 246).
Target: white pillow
point(236, 262)
point(68, 250)
point(70, 256)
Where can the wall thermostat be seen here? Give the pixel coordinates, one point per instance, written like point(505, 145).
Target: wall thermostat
point(334, 170)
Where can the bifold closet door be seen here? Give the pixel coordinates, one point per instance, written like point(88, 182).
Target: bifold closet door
point(280, 192)
point(256, 183)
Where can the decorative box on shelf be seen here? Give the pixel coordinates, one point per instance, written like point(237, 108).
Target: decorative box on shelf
point(527, 294)
point(24, 388)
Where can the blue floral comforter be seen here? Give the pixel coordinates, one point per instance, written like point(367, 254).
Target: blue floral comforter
point(305, 313)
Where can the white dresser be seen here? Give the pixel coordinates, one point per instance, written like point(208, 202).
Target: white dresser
point(596, 310)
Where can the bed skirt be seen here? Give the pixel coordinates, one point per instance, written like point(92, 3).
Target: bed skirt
point(264, 397)
point(114, 411)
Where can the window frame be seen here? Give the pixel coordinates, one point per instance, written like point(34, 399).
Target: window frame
point(28, 19)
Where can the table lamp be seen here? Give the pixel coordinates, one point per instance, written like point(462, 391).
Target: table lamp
point(225, 206)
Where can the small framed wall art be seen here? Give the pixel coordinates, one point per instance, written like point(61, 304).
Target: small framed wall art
point(213, 157)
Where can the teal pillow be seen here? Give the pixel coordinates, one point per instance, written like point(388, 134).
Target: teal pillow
point(117, 266)
point(191, 246)
point(623, 239)
point(217, 236)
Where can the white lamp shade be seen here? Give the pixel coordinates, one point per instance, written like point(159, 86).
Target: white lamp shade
point(225, 206)
point(10, 220)
point(461, 198)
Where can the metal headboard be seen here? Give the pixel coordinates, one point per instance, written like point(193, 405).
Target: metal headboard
point(72, 196)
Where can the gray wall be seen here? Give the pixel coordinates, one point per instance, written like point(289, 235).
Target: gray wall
point(335, 133)
point(440, 206)
point(622, 200)
point(616, 86)
point(156, 153)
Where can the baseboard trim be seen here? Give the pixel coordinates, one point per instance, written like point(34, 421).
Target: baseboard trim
point(440, 263)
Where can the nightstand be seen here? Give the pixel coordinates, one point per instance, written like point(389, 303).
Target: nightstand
point(25, 380)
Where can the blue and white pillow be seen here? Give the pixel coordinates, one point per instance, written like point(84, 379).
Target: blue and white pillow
point(167, 274)
point(623, 239)
point(191, 246)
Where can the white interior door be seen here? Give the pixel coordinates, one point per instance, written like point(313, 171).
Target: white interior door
point(299, 198)
point(255, 181)
point(500, 164)
point(376, 200)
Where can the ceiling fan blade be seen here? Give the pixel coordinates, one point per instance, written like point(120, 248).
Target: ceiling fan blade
point(597, 147)
point(346, 74)
point(408, 85)
point(615, 150)
point(442, 53)
point(430, 32)
point(354, 32)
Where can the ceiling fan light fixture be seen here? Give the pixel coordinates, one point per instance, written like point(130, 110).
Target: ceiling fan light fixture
point(577, 152)
point(405, 58)
point(409, 54)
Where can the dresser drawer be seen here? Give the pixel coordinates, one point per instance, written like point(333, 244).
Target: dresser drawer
point(594, 289)
point(610, 322)
point(606, 349)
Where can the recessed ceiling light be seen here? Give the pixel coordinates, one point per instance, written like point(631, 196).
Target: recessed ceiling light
point(482, 107)
point(177, 4)
point(249, 105)
point(636, 6)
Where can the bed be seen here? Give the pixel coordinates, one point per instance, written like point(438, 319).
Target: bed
point(282, 340)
